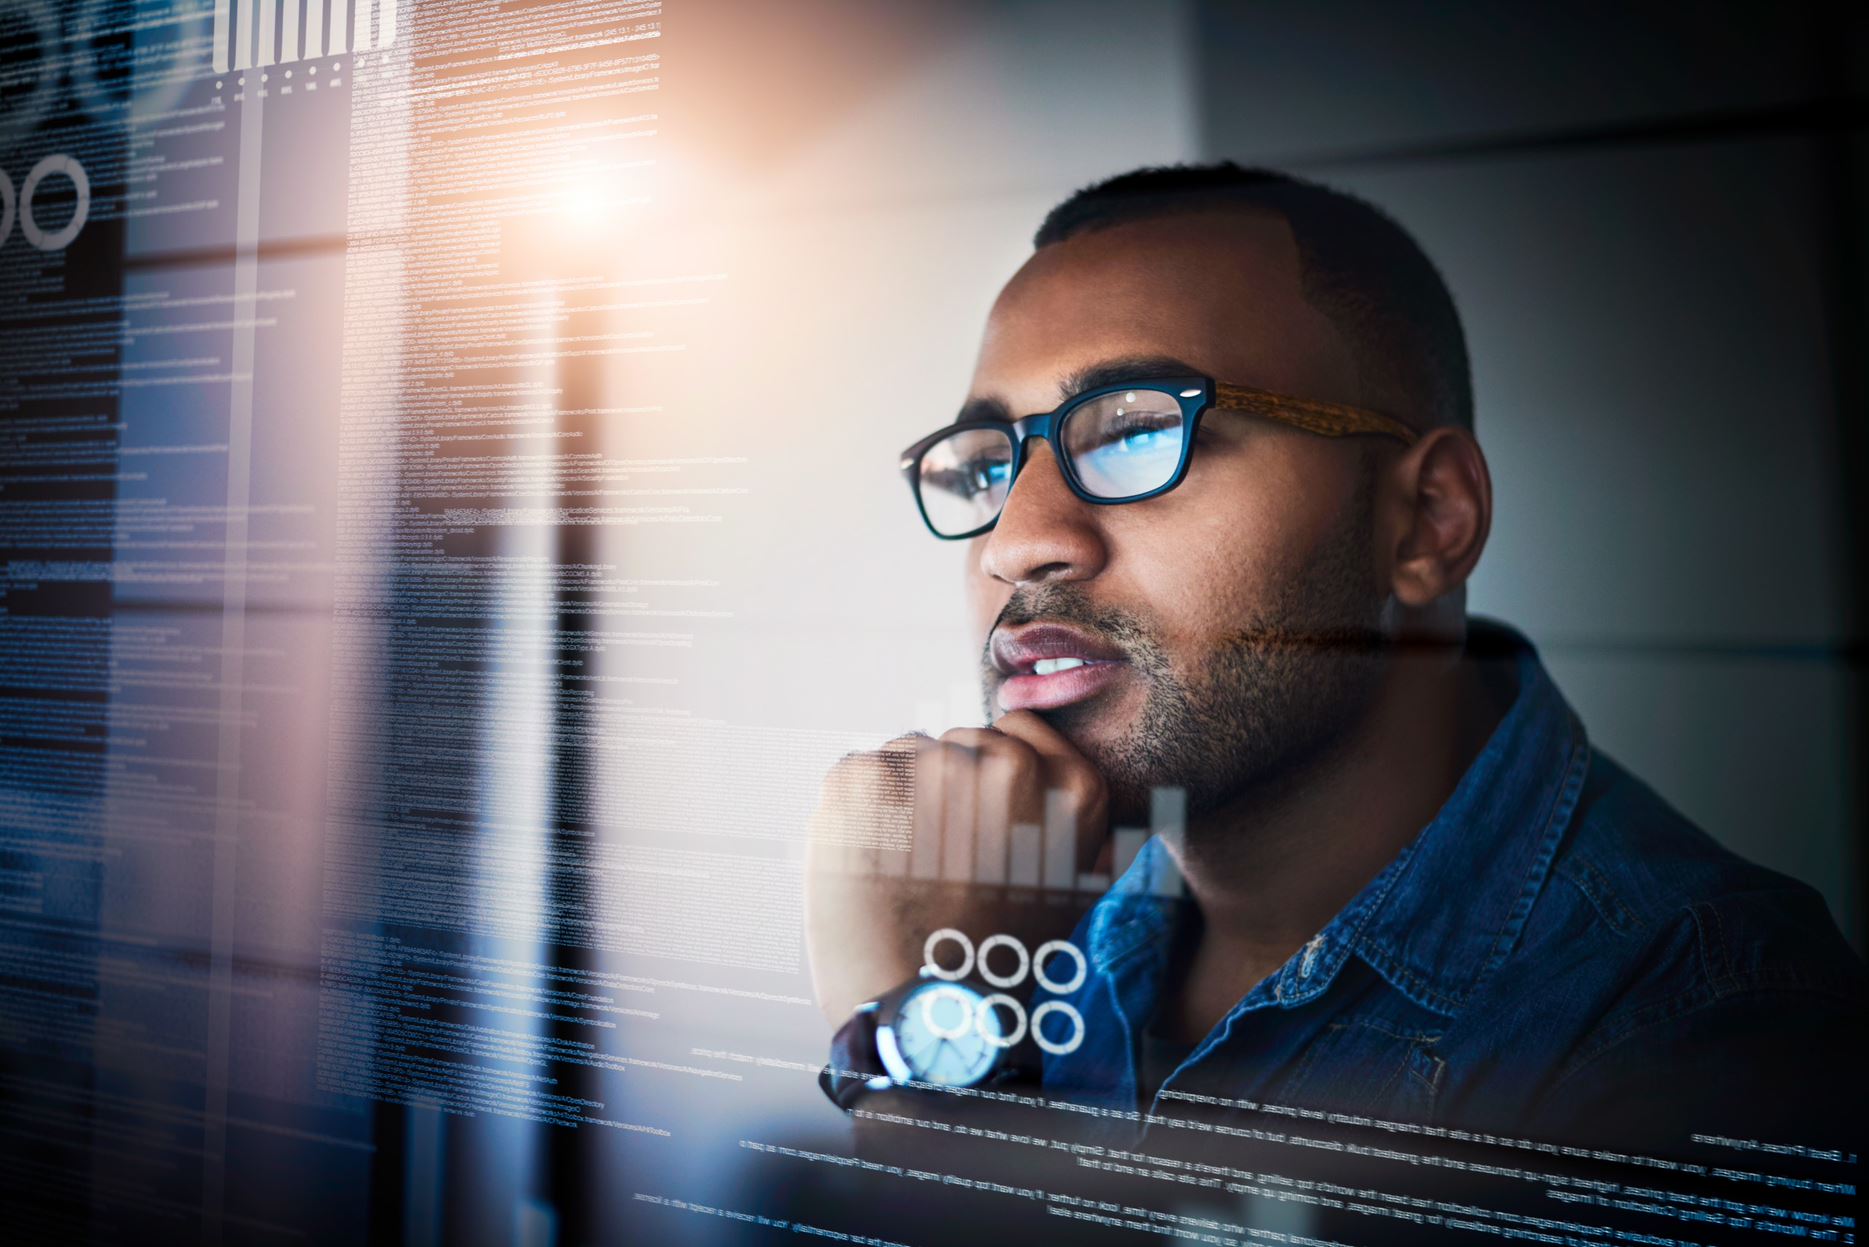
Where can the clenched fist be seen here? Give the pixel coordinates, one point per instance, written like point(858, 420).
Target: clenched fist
point(916, 836)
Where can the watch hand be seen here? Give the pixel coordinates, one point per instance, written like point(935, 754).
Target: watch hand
point(949, 1045)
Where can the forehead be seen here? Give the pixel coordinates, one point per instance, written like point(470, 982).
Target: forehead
point(1220, 290)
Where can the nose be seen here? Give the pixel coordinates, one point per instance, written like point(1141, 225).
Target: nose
point(1045, 532)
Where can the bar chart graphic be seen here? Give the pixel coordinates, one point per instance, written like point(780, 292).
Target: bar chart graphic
point(1027, 855)
point(251, 34)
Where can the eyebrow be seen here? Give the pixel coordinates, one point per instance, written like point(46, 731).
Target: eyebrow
point(987, 408)
point(1128, 368)
point(1090, 377)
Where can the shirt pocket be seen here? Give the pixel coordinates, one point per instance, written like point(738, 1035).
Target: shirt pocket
point(1367, 1066)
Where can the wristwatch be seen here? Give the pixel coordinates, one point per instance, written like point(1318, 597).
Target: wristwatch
point(930, 1030)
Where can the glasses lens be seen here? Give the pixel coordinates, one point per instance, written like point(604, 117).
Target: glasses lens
point(964, 479)
point(1126, 443)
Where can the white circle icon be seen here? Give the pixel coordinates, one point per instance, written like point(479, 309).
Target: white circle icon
point(991, 942)
point(967, 1018)
point(974, 1012)
point(60, 238)
point(1060, 946)
point(930, 966)
point(1077, 1022)
point(986, 1008)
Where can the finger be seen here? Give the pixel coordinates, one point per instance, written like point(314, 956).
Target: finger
point(960, 774)
point(1011, 765)
point(894, 814)
point(1069, 773)
point(928, 810)
point(898, 762)
point(1048, 742)
point(1008, 784)
point(836, 821)
point(1064, 766)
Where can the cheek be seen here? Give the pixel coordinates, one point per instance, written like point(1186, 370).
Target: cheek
point(1203, 585)
point(1219, 551)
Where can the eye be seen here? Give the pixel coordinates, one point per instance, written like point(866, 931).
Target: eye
point(1136, 433)
point(986, 474)
point(1140, 439)
point(969, 479)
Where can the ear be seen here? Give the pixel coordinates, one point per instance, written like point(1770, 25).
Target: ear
point(1444, 509)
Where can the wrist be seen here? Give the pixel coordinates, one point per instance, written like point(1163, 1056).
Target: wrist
point(931, 1031)
point(855, 1066)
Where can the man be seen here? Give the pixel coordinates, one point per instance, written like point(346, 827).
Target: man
point(1230, 566)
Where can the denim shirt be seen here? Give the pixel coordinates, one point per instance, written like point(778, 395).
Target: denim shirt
point(1557, 949)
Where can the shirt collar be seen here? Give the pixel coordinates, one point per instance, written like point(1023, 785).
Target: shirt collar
point(1443, 915)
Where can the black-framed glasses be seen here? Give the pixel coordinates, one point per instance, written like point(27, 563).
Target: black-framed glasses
point(1114, 444)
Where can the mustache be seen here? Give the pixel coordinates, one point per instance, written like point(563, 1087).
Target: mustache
point(1067, 603)
point(1070, 604)
point(1061, 603)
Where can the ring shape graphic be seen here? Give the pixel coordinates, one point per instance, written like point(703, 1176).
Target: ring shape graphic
point(60, 238)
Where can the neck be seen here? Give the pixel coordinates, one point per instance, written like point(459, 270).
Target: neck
point(1270, 870)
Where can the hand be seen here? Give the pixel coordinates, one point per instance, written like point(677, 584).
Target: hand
point(898, 840)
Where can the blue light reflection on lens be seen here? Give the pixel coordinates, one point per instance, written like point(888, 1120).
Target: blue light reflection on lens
point(1130, 461)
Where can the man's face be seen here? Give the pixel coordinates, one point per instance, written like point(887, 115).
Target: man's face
point(1224, 625)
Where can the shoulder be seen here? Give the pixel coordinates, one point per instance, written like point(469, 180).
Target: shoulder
point(1640, 883)
point(1696, 969)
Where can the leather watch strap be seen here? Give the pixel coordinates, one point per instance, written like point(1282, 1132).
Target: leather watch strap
point(854, 1060)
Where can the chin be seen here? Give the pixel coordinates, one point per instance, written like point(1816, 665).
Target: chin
point(1105, 738)
point(1096, 726)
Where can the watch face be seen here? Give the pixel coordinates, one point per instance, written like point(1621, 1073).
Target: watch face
point(943, 1033)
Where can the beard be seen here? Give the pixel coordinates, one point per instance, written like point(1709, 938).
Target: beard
point(1258, 709)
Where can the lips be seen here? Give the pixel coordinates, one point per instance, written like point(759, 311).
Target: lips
point(1046, 666)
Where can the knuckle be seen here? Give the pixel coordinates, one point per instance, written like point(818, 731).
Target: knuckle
point(959, 748)
point(855, 762)
point(1084, 785)
point(850, 772)
point(1024, 762)
point(1015, 768)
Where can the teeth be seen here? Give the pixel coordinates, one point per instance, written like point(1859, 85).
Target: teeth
point(1050, 666)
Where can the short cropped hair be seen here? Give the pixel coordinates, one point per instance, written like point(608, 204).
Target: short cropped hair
point(1360, 269)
